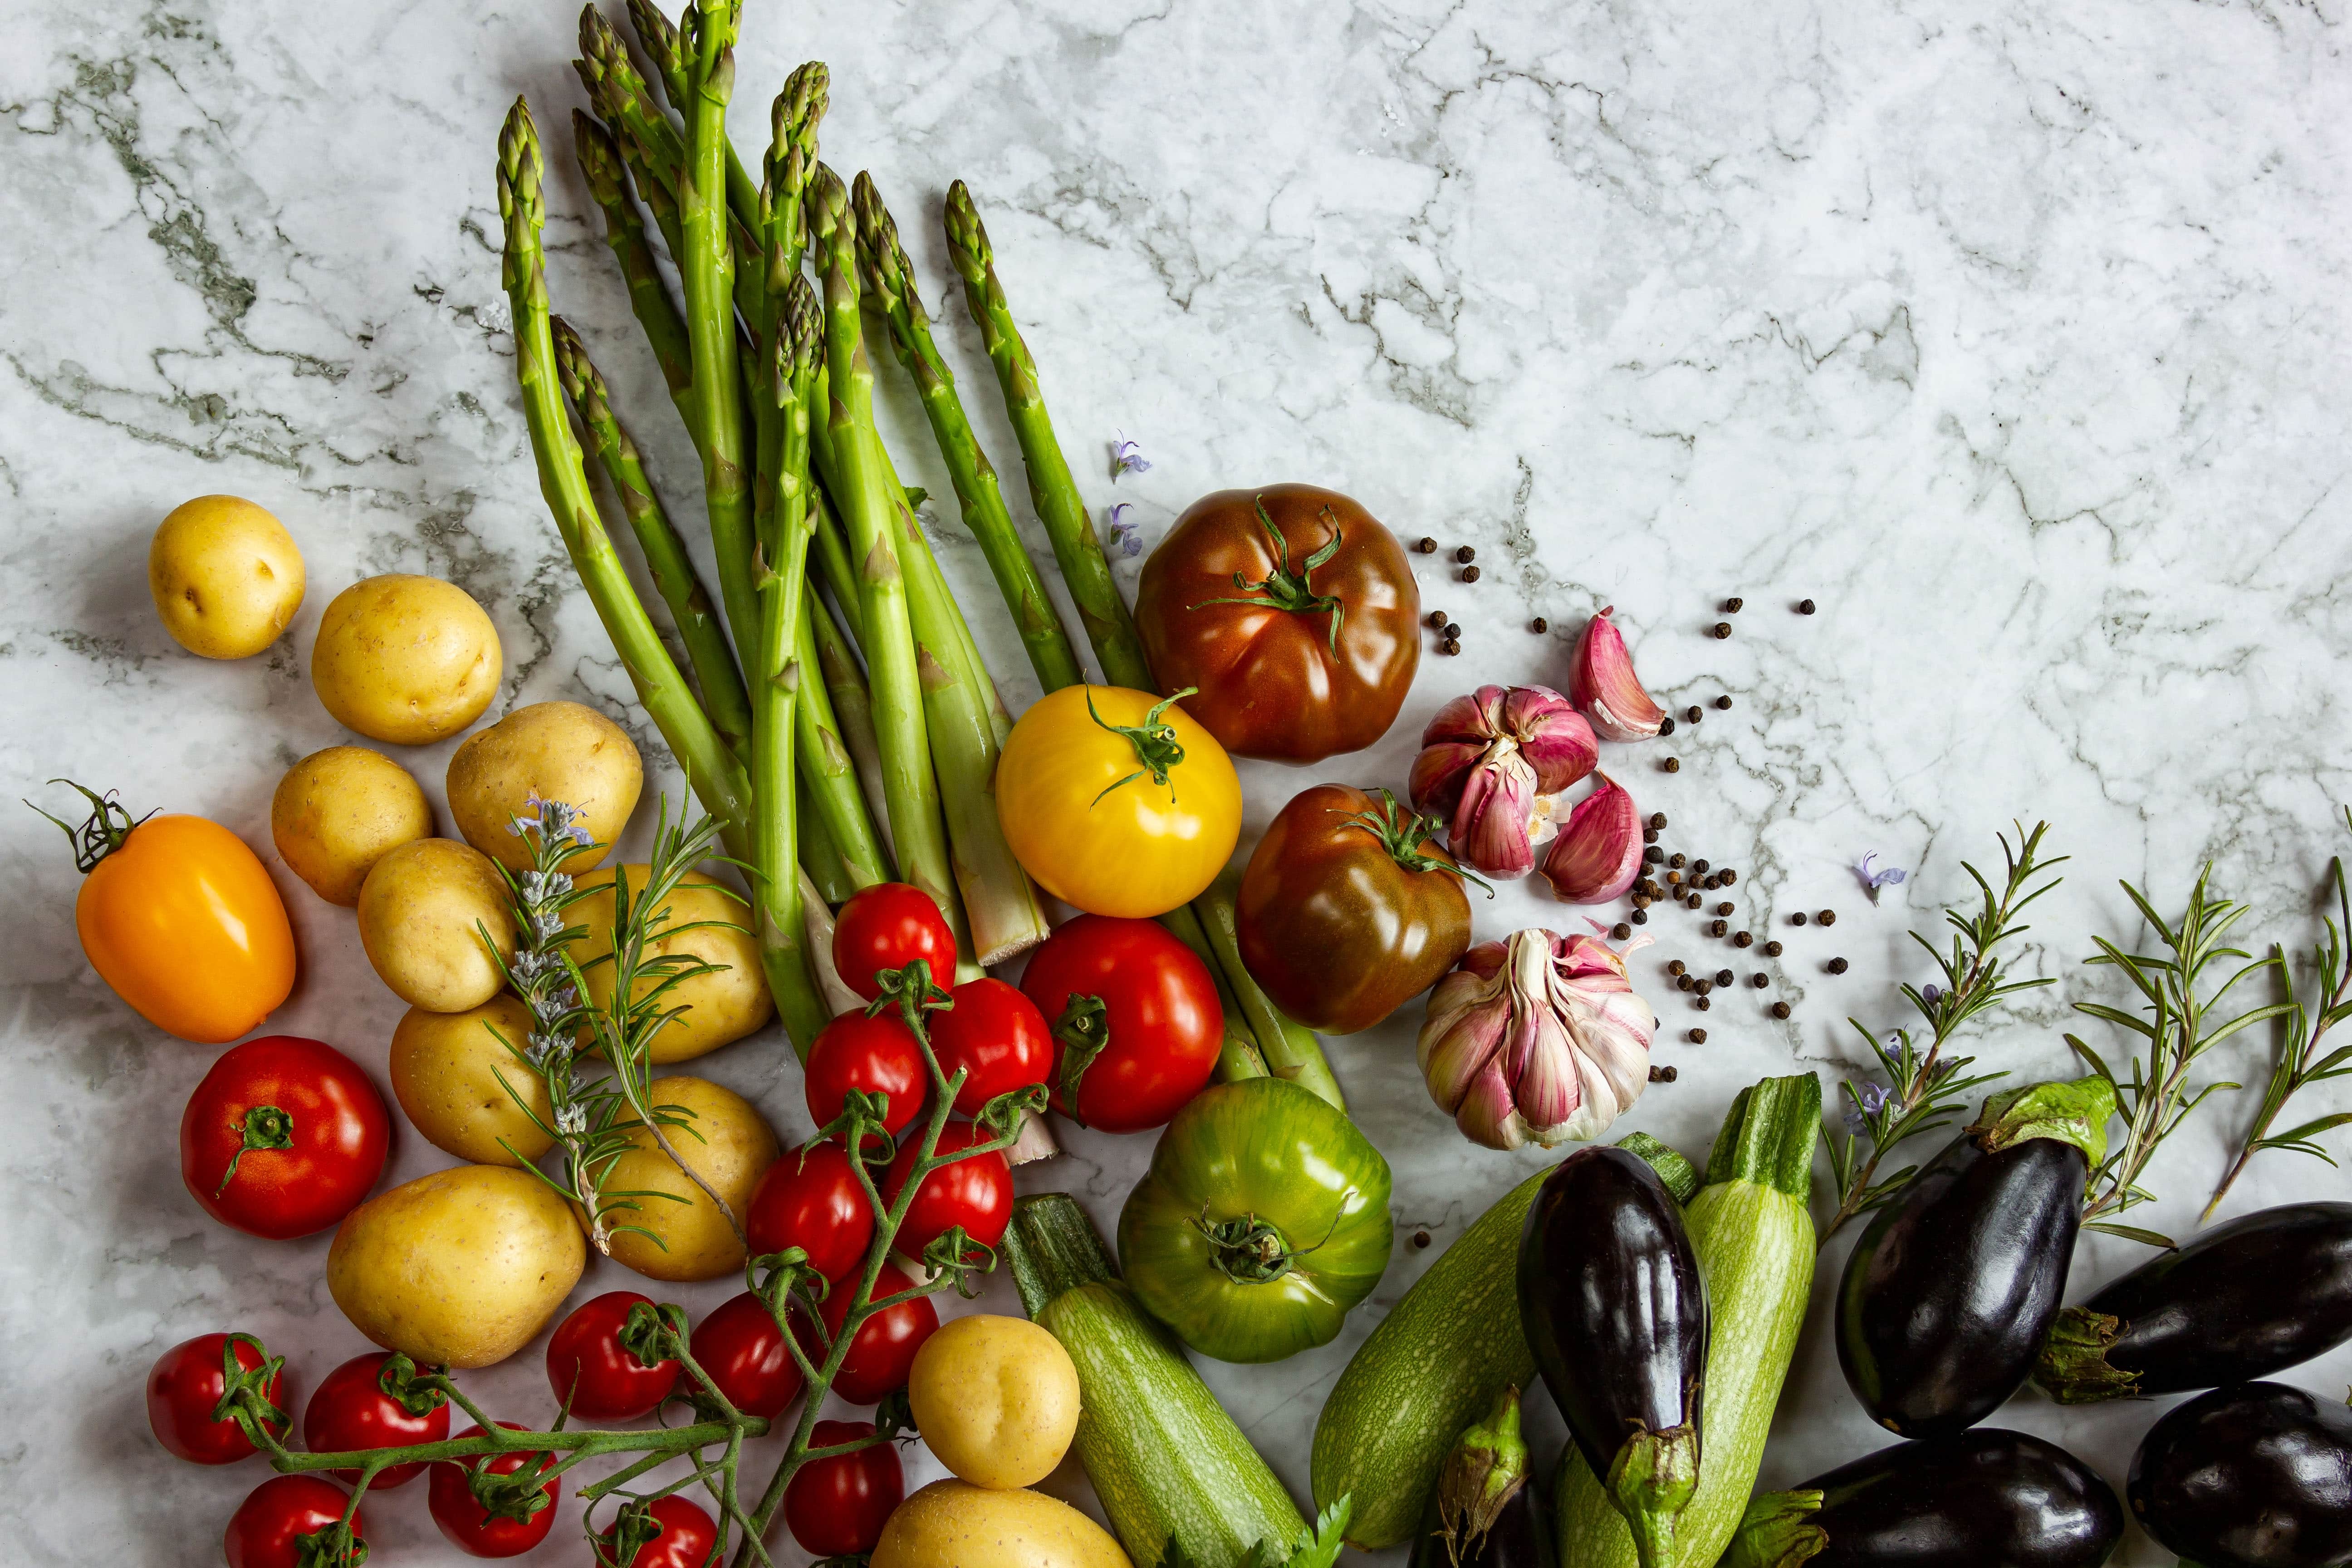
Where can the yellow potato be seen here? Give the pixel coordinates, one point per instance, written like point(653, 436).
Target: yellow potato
point(953, 1524)
point(226, 575)
point(558, 750)
point(996, 1398)
point(725, 1005)
point(445, 1072)
point(463, 1266)
point(733, 1150)
point(338, 812)
point(406, 659)
point(421, 912)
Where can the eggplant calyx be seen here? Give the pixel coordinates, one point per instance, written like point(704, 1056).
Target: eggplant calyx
point(2076, 1113)
point(1778, 1532)
point(2073, 1367)
point(1651, 1481)
point(1486, 1469)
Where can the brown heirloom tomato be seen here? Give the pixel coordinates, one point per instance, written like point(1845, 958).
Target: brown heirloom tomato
point(1293, 611)
point(1348, 910)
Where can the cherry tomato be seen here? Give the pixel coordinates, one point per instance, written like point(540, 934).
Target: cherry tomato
point(854, 1051)
point(1313, 653)
point(889, 926)
point(741, 1351)
point(998, 1034)
point(285, 1136)
point(351, 1411)
point(812, 1200)
point(684, 1538)
point(1160, 1019)
point(836, 1507)
point(976, 1193)
point(184, 1388)
point(179, 916)
point(602, 1379)
point(470, 1527)
point(270, 1526)
point(883, 1352)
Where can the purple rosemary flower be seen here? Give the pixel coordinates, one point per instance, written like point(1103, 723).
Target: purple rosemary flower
point(1870, 1098)
point(1931, 995)
point(1873, 879)
point(1127, 535)
point(1127, 457)
point(552, 819)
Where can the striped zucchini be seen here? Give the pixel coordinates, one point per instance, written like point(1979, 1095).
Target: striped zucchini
point(1171, 1470)
point(1437, 1362)
point(1754, 1237)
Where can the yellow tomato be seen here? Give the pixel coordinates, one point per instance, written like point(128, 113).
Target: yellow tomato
point(1118, 801)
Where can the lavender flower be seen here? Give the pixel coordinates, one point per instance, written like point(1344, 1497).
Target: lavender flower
point(1870, 1098)
point(1873, 879)
point(1127, 457)
point(1127, 535)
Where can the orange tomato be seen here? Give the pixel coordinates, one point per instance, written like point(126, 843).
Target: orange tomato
point(180, 919)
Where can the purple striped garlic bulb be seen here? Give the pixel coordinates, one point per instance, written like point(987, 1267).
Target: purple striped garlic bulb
point(1536, 1038)
point(1489, 766)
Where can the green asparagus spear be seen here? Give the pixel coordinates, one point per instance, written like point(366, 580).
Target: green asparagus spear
point(657, 36)
point(889, 278)
point(830, 770)
point(650, 301)
point(707, 649)
point(852, 706)
point(819, 858)
point(792, 154)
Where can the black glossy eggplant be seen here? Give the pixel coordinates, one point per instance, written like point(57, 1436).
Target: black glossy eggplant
point(2255, 1295)
point(1615, 1310)
point(2257, 1475)
point(1949, 1296)
point(1974, 1500)
point(1483, 1513)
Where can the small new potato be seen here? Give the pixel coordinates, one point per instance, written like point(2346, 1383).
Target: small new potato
point(226, 575)
point(557, 750)
point(723, 1006)
point(338, 812)
point(446, 1070)
point(421, 912)
point(406, 659)
point(954, 1524)
point(996, 1398)
point(464, 1265)
point(729, 1145)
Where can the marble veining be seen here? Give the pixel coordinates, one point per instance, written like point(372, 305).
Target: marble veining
point(2014, 336)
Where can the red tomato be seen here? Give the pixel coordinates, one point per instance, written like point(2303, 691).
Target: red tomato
point(879, 1054)
point(685, 1537)
point(270, 1526)
point(183, 1390)
point(588, 1365)
point(883, 1353)
point(889, 926)
point(285, 1136)
point(836, 1507)
point(473, 1529)
point(976, 1193)
point(1163, 1024)
point(812, 1200)
point(741, 1351)
point(996, 1033)
point(351, 1411)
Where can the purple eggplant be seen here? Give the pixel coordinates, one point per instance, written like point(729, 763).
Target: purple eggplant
point(1949, 1296)
point(2248, 1299)
point(1483, 1513)
point(1615, 1310)
point(1974, 1500)
point(2257, 1475)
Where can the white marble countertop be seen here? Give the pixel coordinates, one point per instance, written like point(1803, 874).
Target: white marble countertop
point(2015, 337)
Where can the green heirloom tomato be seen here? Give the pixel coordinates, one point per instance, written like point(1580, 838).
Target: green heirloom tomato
point(1265, 1216)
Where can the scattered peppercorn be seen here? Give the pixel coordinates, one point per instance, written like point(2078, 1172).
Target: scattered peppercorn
point(1698, 1036)
point(1760, 980)
point(1685, 981)
point(1722, 629)
point(1771, 949)
point(1653, 854)
point(1723, 977)
point(1675, 878)
point(1724, 703)
point(1691, 901)
point(1694, 713)
point(1717, 928)
point(1649, 836)
point(1780, 1009)
point(1731, 606)
point(1621, 931)
point(1657, 819)
point(1698, 864)
point(1452, 632)
point(1420, 1239)
point(1729, 876)
point(1665, 726)
point(1724, 908)
point(1469, 574)
point(1678, 858)
point(1837, 966)
point(1436, 620)
point(1451, 644)
point(1702, 1004)
point(1677, 966)
point(1745, 939)
point(1465, 555)
point(1540, 625)
point(1427, 546)
point(1640, 917)
point(1827, 917)
point(1662, 1074)
point(1804, 606)
point(1798, 918)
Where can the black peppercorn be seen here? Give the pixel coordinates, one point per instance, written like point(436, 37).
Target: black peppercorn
point(1723, 977)
point(1691, 901)
point(1465, 555)
point(1657, 819)
point(1745, 939)
point(1731, 606)
point(1760, 980)
point(1653, 854)
point(1694, 713)
point(1427, 546)
point(1837, 966)
point(1724, 703)
point(1804, 606)
point(1621, 931)
point(1724, 908)
point(1469, 574)
point(1717, 928)
point(1662, 1074)
point(1665, 726)
point(1640, 900)
point(1698, 1036)
point(1678, 858)
point(1771, 949)
point(1436, 620)
point(1420, 1239)
point(1452, 632)
point(1798, 918)
point(1702, 1004)
point(1649, 836)
point(1683, 982)
point(1540, 625)
point(1780, 1009)
point(1722, 629)
point(1703, 986)
point(1640, 917)
point(1677, 966)
point(1698, 864)
point(1728, 876)
point(1827, 917)
point(1450, 646)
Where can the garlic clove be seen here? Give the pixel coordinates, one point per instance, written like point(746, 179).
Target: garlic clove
point(1597, 854)
point(1556, 741)
point(1601, 682)
point(1439, 772)
point(1493, 820)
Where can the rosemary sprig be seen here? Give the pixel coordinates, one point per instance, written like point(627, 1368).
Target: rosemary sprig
point(2174, 1036)
point(1925, 1088)
point(2298, 1062)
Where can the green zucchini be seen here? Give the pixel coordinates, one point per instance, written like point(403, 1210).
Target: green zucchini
point(1436, 1363)
point(1754, 1238)
point(1174, 1474)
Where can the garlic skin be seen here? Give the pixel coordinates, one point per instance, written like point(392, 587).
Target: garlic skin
point(1601, 679)
point(1537, 1039)
point(1598, 853)
point(1490, 763)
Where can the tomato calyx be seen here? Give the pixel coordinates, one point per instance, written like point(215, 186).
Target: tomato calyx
point(1284, 589)
point(632, 1531)
point(108, 827)
point(1401, 834)
point(244, 1391)
point(335, 1546)
point(1248, 1250)
point(911, 991)
point(1155, 743)
point(263, 1127)
point(518, 1494)
point(647, 1338)
point(415, 1390)
point(953, 1251)
point(1083, 1029)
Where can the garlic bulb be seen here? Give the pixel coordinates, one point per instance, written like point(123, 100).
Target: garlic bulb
point(1490, 763)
